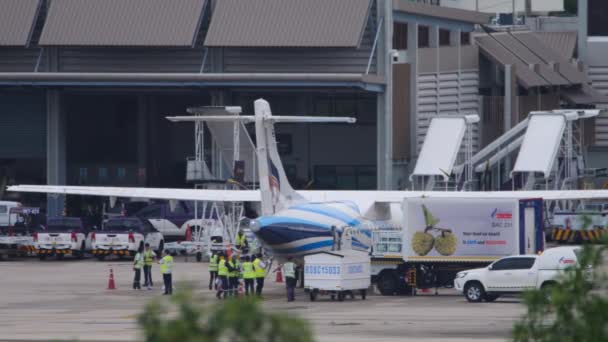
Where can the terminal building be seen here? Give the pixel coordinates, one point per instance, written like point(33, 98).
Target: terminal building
point(85, 85)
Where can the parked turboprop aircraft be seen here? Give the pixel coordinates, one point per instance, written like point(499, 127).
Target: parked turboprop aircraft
point(293, 223)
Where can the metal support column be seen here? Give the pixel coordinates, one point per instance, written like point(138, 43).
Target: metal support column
point(412, 56)
point(55, 150)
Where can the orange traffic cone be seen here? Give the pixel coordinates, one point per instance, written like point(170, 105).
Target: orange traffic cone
point(188, 233)
point(111, 284)
point(279, 277)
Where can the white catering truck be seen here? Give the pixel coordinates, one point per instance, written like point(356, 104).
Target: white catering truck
point(440, 237)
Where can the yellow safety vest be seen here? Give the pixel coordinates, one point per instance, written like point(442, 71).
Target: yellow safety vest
point(235, 273)
point(148, 257)
point(166, 264)
point(240, 240)
point(289, 269)
point(222, 270)
point(213, 263)
point(139, 261)
point(248, 272)
point(260, 272)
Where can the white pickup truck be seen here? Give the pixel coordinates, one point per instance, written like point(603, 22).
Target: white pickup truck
point(123, 236)
point(61, 236)
point(515, 274)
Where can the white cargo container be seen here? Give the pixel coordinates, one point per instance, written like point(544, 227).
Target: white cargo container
point(337, 273)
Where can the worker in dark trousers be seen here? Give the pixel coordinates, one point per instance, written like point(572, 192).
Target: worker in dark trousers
point(248, 275)
point(259, 268)
point(138, 264)
point(213, 264)
point(289, 271)
point(233, 276)
point(166, 269)
point(149, 258)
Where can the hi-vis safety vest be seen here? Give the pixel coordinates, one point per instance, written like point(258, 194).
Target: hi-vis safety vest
point(289, 269)
point(213, 263)
point(166, 264)
point(148, 257)
point(222, 270)
point(139, 261)
point(240, 240)
point(235, 272)
point(260, 272)
point(248, 272)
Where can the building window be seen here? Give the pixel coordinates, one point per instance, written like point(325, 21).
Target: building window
point(103, 174)
point(598, 18)
point(121, 173)
point(444, 37)
point(83, 175)
point(400, 36)
point(345, 177)
point(423, 36)
point(465, 38)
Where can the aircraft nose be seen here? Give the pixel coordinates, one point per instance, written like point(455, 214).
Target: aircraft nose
point(255, 226)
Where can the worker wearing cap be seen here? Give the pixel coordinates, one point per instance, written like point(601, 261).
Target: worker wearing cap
point(289, 270)
point(166, 268)
point(138, 264)
point(241, 242)
point(259, 267)
point(149, 258)
point(248, 275)
point(213, 264)
point(222, 273)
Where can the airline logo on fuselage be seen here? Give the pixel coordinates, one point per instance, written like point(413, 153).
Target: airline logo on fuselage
point(501, 215)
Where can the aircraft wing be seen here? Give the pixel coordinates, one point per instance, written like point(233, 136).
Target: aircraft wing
point(150, 193)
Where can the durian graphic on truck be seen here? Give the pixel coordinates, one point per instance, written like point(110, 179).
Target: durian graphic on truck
point(423, 241)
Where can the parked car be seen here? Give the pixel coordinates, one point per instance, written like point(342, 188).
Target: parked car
point(61, 236)
point(515, 274)
point(123, 236)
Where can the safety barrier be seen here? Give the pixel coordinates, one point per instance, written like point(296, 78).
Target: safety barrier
point(569, 235)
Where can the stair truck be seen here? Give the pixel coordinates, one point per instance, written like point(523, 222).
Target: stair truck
point(440, 237)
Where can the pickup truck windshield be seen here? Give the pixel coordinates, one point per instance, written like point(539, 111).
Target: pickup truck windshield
point(63, 225)
point(122, 225)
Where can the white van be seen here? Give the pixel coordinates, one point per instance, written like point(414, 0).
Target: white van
point(5, 213)
point(515, 274)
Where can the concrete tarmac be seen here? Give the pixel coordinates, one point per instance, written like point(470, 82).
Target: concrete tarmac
point(68, 300)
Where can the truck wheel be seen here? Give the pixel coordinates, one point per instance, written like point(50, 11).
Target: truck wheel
point(80, 254)
point(474, 292)
point(41, 257)
point(491, 297)
point(333, 297)
point(363, 294)
point(313, 295)
point(341, 296)
point(387, 283)
point(199, 257)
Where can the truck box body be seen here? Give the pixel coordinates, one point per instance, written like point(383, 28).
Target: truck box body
point(461, 230)
point(337, 271)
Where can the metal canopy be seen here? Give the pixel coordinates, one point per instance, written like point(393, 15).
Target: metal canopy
point(288, 23)
point(17, 20)
point(122, 23)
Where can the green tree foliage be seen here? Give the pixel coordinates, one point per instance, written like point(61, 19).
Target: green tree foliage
point(571, 310)
point(570, 6)
point(184, 319)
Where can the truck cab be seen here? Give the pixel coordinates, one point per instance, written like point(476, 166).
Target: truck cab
point(61, 236)
point(124, 236)
point(515, 274)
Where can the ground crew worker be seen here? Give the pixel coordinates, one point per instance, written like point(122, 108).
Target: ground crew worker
point(166, 267)
point(138, 264)
point(233, 276)
point(248, 275)
point(289, 270)
point(259, 268)
point(241, 242)
point(222, 273)
point(213, 263)
point(149, 258)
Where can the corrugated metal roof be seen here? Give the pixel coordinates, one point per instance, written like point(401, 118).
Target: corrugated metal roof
point(122, 23)
point(288, 23)
point(524, 53)
point(566, 68)
point(441, 12)
point(17, 19)
point(563, 43)
point(491, 48)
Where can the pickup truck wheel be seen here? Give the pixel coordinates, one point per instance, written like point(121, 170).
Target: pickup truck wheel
point(474, 292)
point(491, 297)
point(313, 295)
point(42, 257)
point(363, 294)
point(341, 296)
point(547, 288)
point(387, 283)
